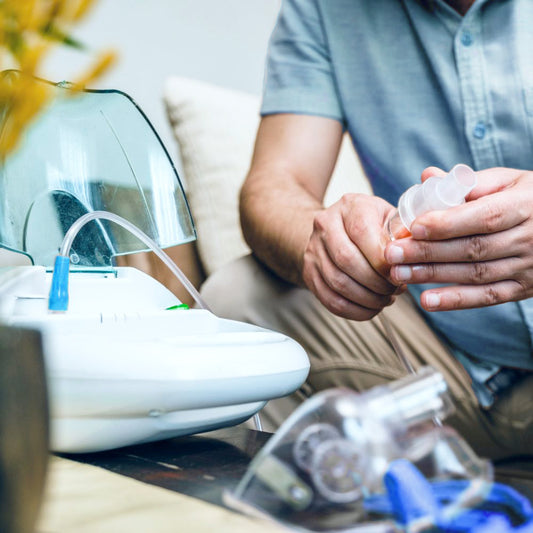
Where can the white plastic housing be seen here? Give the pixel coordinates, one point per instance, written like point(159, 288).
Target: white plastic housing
point(123, 370)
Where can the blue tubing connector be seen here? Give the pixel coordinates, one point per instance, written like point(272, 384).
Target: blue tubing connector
point(58, 299)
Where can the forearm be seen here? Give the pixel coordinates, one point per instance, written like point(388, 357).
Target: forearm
point(277, 219)
point(293, 160)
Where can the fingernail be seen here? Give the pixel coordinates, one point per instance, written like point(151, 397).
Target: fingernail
point(395, 254)
point(402, 273)
point(418, 231)
point(432, 300)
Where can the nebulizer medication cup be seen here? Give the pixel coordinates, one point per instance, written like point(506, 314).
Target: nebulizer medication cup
point(434, 194)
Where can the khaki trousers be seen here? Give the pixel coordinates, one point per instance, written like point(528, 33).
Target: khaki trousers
point(359, 355)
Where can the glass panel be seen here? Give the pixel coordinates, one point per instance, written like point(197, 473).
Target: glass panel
point(90, 151)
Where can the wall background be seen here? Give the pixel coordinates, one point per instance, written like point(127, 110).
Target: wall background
point(219, 41)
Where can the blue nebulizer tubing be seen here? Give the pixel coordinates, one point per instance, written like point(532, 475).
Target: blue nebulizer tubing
point(420, 505)
point(58, 299)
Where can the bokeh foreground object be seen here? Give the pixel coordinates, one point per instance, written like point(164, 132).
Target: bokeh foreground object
point(23, 428)
point(377, 462)
point(29, 29)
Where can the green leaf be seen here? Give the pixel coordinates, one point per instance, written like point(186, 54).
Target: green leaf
point(57, 34)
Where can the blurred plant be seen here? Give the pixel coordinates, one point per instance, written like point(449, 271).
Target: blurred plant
point(29, 29)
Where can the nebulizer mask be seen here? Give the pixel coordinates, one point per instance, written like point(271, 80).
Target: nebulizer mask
point(382, 461)
point(326, 463)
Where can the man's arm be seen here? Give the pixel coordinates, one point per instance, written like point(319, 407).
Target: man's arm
point(336, 252)
point(293, 161)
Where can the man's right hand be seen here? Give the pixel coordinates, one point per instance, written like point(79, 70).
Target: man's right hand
point(344, 264)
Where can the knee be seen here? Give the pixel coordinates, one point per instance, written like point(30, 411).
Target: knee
point(238, 288)
point(223, 289)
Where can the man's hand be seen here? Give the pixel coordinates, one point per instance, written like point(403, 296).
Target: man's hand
point(484, 248)
point(344, 263)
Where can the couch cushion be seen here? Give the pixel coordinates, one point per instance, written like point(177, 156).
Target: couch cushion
point(215, 130)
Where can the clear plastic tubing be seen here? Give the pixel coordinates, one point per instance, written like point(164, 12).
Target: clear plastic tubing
point(434, 194)
point(134, 230)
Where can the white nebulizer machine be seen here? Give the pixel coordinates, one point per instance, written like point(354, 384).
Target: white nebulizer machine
point(126, 361)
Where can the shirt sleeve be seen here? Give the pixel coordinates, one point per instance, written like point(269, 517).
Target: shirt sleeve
point(299, 77)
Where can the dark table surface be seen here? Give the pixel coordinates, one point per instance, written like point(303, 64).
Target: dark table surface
point(202, 466)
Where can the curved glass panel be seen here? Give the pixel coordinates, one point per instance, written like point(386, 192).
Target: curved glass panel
point(89, 151)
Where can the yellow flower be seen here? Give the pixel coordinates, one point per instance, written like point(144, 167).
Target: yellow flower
point(28, 30)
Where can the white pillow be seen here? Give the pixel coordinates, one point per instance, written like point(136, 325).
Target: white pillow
point(215, 130)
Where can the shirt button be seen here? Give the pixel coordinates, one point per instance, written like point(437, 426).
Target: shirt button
point(480, 130)
point(466, 38)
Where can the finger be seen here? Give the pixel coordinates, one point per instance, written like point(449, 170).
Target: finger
point(471, 296)
point(352, 290)
point(338, 304)
point(493, 180)
point(429, 172)
point(347, 257)
point(365, 234)
point(464, 273)
point(474, 248)
point(488, 214)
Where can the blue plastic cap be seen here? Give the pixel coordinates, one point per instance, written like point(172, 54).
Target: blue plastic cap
point(58, 299)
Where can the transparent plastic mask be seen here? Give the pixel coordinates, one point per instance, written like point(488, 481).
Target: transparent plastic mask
point(332, 453)
point(94, 150)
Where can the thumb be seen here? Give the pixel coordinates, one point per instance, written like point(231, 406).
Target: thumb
point(429, 172)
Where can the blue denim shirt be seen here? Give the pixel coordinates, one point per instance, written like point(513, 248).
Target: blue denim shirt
point(417, 84)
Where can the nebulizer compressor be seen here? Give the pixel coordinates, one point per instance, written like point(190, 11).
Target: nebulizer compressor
point(126, 361)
